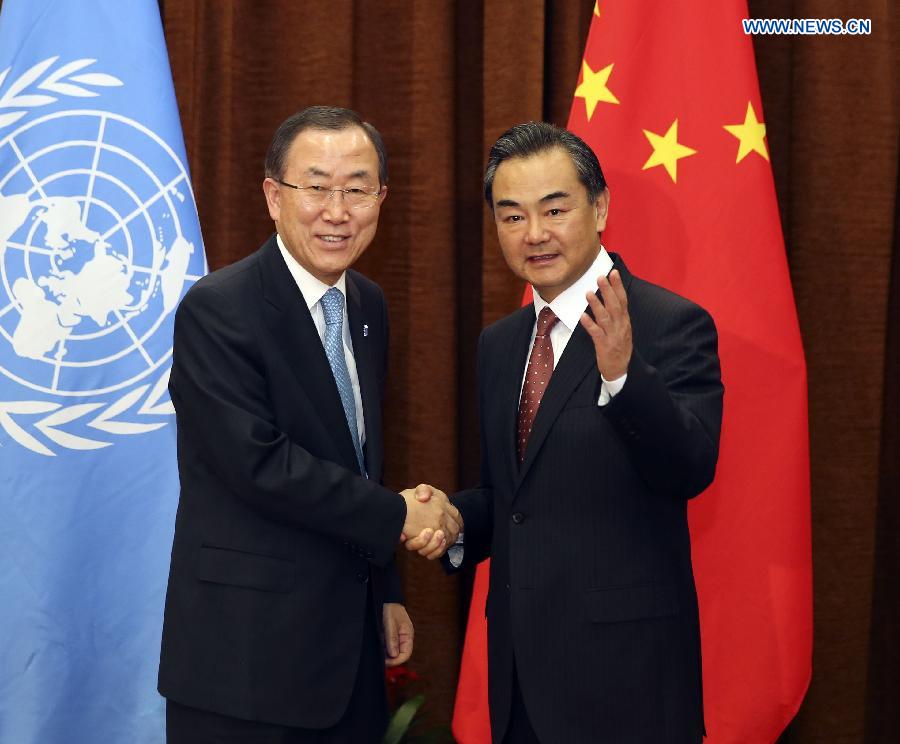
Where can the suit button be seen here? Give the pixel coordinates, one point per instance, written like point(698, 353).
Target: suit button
point(518, 517)
point(362, 577)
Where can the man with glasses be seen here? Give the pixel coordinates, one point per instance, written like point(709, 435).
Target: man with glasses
point(284, 603)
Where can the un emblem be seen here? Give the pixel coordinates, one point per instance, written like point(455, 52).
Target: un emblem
point(98, 237)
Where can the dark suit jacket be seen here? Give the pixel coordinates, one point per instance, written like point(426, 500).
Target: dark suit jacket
point(591, 589)
point(277, 536)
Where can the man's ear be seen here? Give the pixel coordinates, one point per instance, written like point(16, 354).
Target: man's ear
point(273, 198)
point(602, 206)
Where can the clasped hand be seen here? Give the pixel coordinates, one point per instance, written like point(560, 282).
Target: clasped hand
point(432, 522)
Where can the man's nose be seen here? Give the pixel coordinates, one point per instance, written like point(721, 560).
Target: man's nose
point(335, 209)
point(536, 232)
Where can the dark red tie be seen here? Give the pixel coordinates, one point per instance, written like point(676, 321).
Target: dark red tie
point(537, 377)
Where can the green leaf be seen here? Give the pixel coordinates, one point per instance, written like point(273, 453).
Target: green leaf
point(401, 720)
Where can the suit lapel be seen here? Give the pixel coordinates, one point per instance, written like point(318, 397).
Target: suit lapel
point(577, 360)
point(626, 275)
point(291, 324)
point(365, 347)
point(512, 368)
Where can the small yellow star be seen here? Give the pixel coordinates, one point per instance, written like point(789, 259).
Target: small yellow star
point(751, 134)
point(667, 151)
point(597, 8)
point(593, 88)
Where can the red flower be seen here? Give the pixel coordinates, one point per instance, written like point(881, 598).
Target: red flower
point(400, 676)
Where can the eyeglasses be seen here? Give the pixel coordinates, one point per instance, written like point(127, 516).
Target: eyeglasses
point(317, 196)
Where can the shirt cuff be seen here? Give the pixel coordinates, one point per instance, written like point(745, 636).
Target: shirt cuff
point(455, 553)
point(609, 389)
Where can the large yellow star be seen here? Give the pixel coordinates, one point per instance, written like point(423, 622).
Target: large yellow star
point(593, 88)
point(751, 134)
point(667, 151)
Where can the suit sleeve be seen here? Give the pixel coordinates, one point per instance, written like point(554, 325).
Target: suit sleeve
point(393, 589)
point(219, 390)
point(669, 412)
point(476, 505)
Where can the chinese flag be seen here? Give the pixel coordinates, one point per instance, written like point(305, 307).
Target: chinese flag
point(668, 98)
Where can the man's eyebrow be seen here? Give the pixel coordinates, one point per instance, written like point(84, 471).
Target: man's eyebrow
point(314, 171)
point(547, 198)
point(555, 195)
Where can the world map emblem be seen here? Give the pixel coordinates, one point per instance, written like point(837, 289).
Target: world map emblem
point(98, 241)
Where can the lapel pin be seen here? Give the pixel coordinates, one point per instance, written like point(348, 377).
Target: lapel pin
point(365, 329)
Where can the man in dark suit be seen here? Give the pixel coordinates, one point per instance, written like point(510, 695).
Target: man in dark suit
point(600, 415)
point(283, 602)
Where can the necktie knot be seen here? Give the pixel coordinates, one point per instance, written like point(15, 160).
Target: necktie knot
point(333, 306)
point(545, 322)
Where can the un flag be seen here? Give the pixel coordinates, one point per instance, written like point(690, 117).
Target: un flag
point(99, 240)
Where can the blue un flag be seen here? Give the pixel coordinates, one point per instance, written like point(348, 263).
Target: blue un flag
point(99, 240)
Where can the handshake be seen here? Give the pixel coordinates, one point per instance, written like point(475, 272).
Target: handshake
point(432, 522)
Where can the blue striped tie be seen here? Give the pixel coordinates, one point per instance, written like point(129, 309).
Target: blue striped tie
point(333, 306)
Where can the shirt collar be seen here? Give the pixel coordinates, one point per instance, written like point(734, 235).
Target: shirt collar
point(570, 303)
point(311, 288)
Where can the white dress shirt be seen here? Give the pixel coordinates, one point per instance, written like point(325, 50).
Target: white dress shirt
point(312, 290)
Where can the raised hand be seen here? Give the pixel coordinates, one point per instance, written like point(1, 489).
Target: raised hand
point(610, 329)
point(432, 541)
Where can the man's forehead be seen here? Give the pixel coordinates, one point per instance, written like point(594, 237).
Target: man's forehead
point(326, 150)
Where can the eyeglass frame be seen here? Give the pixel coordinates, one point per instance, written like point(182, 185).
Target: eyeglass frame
point(377, 195)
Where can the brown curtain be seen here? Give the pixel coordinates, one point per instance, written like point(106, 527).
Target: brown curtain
point(833, 116)
point(441, 81)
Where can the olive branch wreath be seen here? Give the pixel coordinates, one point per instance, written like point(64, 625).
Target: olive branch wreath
point(105, 418)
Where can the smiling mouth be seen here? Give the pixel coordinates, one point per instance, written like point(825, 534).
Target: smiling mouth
point(333, 239)
point(542, 258)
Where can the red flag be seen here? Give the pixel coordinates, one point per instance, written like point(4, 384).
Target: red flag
point(471, 720)
point(668, 98)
